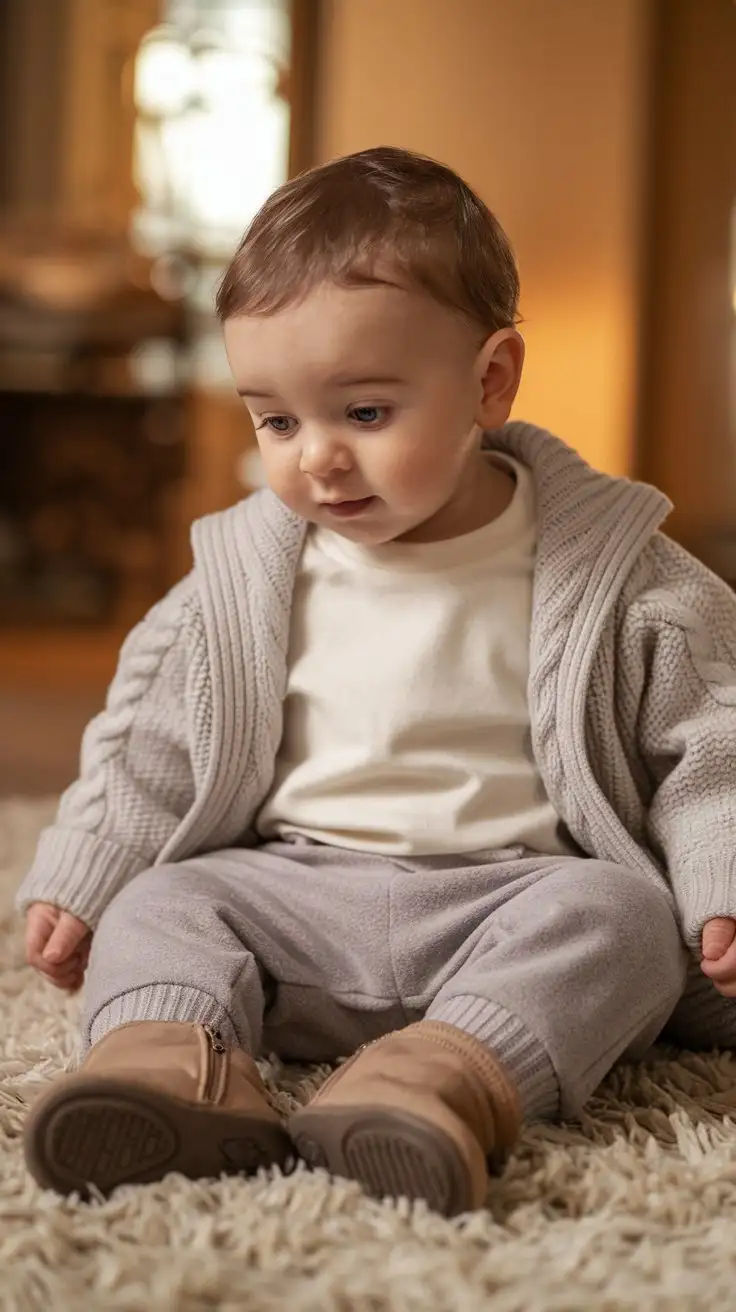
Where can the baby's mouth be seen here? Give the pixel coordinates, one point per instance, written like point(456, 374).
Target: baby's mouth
point(348, 509)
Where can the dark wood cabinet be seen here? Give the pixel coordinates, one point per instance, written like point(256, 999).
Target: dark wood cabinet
point(687, 438)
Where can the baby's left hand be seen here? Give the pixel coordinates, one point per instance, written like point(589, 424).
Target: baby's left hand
point(719, 954)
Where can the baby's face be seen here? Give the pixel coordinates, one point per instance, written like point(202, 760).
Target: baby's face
point(364, 402)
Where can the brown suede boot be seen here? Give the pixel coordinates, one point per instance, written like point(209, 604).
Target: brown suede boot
point(154, 1097)
point(416, 1115)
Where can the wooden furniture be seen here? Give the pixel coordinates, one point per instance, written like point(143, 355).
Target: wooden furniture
point(688, 376)
point(67, 84)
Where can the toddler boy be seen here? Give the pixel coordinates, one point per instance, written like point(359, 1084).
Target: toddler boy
point(433, 751)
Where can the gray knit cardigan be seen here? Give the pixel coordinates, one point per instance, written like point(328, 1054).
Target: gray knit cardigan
point(632, 696)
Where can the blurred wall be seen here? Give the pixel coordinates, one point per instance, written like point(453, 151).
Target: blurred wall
point(543, 108)
point(31, 77)
point(689, 414)
point(66, 106)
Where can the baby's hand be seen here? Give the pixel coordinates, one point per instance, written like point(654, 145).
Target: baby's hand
point(57, 945)
point(719, 954)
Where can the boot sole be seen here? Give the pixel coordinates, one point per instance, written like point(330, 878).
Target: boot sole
point(390, 1153)
point(105, 1133)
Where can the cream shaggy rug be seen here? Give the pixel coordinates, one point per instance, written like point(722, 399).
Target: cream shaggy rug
point(634, 1209)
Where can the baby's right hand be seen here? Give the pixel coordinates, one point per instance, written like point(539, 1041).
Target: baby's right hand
point(57, 945)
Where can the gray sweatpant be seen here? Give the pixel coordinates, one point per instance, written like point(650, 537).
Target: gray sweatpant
point(559, 965)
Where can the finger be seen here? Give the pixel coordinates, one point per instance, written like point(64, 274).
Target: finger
point(724, 969)
point(718, 935)
point(70, 975)
point(66, 937)
point(727, 990)
point(54, 970)
point(68, 985)
point(60, 977)
point(39, 927)
point(64, 981)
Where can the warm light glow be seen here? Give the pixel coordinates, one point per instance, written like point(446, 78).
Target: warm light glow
point(212, 138)
point(163, 77)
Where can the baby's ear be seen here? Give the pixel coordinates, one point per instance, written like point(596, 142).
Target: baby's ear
point(498, 367)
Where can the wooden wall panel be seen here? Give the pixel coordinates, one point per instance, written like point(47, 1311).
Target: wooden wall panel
point(687, 442)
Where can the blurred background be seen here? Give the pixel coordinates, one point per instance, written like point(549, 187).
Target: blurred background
point(137, 137)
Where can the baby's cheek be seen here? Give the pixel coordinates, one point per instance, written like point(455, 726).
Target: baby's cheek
point(407, 472)
point(282, 475)
point(429, 486)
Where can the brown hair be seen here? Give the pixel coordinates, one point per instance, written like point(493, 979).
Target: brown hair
point(337, 221)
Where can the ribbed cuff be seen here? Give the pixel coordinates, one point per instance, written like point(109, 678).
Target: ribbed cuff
point(160, 1002)
point(78, 872)
point(704, 888)
point(508, 1038)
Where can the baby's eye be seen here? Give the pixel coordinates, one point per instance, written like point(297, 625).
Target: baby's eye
point(370, 415)
point(281, 424)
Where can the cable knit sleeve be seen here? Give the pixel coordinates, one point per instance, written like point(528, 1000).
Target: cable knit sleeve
point(687, 736)
point(136, 781)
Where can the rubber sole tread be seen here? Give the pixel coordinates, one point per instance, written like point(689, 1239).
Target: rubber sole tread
point(106, 1134)
point(391, 1154)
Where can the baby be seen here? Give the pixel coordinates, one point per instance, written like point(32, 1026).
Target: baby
point(430, 760)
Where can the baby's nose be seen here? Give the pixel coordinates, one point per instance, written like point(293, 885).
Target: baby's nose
point(322, 455)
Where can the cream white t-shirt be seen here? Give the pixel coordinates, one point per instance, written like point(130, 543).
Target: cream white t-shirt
point(406, 722)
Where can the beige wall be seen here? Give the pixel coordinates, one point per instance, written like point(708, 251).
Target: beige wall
point(540, 104)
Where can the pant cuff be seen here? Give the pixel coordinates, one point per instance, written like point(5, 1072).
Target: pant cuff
point(159, 1002)
point(508, 1038)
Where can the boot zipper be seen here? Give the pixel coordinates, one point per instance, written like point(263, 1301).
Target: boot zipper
point(215, 1057)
